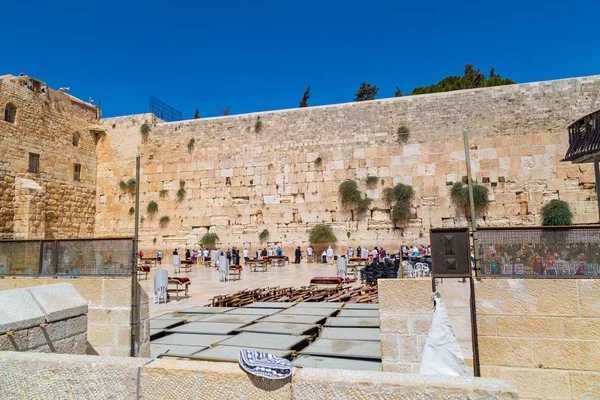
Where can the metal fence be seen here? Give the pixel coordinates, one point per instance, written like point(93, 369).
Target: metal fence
point(164, 111)
point(538, 252)
point(73, 257)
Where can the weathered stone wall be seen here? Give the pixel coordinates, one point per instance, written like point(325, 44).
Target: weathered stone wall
point(27, 375)
point(49, 204)
point(43, 319)
point(541, 334)
point(109, 312)
point(240, 180)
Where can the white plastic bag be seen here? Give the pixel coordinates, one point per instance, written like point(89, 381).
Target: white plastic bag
point(442, 354)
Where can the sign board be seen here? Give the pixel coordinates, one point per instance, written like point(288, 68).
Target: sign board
point(450, 253)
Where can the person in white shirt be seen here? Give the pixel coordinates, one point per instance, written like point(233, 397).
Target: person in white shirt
point(330, 255)
point(246, 255)
point(309, 254)
point(350, 252)
point(374, 253)
point(270, 252)
point(259, 254)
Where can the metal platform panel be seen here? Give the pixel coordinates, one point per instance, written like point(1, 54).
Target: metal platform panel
point(325, 312)
point(353, 322)
point(264, 341)
point(165, 323)
point(351, 334)
point(296, 319)
point(321, 304)
point(361, 306)
point(336, 363)
point(344, 348)
point(208, 328)
point(231, 353)
point(186, 339)
point(205, 310)
point(281, 328)
point(359, 313)
point(157, 350)
point(173, 315)
point(271, 304)
point(232, 318)
point(263, 312)
point(156, 332)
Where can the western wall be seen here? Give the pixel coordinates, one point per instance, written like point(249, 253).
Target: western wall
point(283, 175)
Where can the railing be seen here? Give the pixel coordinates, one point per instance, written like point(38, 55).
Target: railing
point(67, 258)
point(540, 252)
point(584, 138)
point(164, 111)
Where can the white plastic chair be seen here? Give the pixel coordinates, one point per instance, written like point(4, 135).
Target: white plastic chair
point(161, 281)
point(409, 271)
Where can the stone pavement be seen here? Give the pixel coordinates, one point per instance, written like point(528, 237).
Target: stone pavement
point(205, 284)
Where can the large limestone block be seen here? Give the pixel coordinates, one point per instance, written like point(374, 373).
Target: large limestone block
point(19, 310)
point(62, 376)
point(589, 298)
point(585, 385)
point(117, 292)
point(60, 301)
point(567, 354)
point(527, 297)
point(170, 379)
point(313, 384)
point(533, 383)
point(531, 327)
point(405, 296)
point(511, 352)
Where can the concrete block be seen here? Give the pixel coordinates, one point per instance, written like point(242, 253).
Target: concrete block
point(394, 323)
point(510, 352)
point(313, 384)
point(389, 347)
point(567, 354)
point(46, 336)
point(77, 325)
point(405, 296)
point(19, 310)
point(533, 383)
point(161, 379)
point(421, 325)
point(589, 298)
point(584, 385)
point(60, 301)
point(527, 297)
point(16, 342)
point(62, 376)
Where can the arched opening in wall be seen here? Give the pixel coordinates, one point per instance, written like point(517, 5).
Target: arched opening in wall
point(76, 138)
point(10, 113)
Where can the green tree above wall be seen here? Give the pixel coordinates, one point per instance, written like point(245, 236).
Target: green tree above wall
point(471, 79)
point(305, 97)
point(366, 91)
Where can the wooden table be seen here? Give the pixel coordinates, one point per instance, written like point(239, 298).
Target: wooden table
point(150, 259)
point(256, 264)
point(186, 265)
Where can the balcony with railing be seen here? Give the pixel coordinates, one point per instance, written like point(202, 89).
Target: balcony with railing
point(584, 139)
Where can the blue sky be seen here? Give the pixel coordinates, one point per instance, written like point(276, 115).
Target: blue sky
point(261, 55)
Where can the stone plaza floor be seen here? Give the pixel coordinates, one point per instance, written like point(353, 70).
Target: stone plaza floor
point(205, 285)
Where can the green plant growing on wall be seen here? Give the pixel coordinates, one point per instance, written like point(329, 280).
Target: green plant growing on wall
point(163, 193)
point(349, 193)
point(322, 234)
point(142, 220)
point(363, 205)
point(181, 192)
point(258, 125)
point(123, 185)
point(459, 193)
point(556, 213)
point(190, 145)
point(99, 135)
point(154, 241)
point(372, 181)
point(348, 234)
point(164, 220)
point(402, 134)
point(264, 236)
point(131, 210)
point(145, 130)
point(399, 198)
point(131, 184)
point(318, 162)
point(152, 207)
point(209, 240)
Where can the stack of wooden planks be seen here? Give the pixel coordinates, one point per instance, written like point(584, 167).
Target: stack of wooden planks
point(340, 293)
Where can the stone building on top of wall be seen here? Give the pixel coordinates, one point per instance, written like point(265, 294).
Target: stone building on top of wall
point(47, 161)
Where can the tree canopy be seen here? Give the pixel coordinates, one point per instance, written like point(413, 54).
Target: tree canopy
point(305, 97)
point(366, 91)
point(471, 79)
point(197, 114)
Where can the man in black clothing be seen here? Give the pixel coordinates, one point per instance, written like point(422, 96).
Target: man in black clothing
point(298, 255)
point(188, 255)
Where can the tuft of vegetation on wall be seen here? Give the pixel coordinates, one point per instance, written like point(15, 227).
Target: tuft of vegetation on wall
point(460, 194)
point(318, 162)
point(209, 240)
point(145, 130)
point(123, 185)
point(181, 192)
point(349, 193)
point(258, 125)
point(322, 234)
point(163, 193)
point(164, 220)
point(264, 235)
point(190, 145)
point(152, 207)
point(402, 134)
point(131, 210)
point(131, 184)
point(372, 181)
point(556, 213)
point(399, 198)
